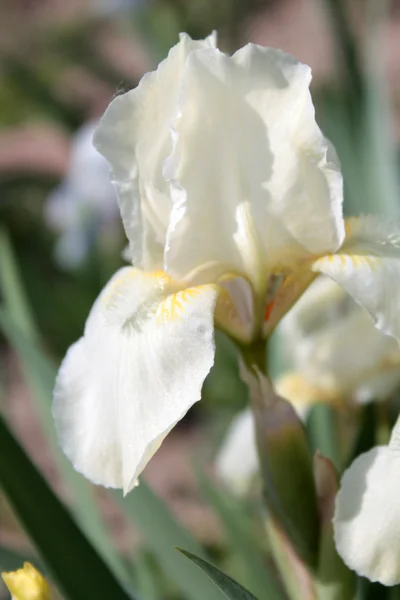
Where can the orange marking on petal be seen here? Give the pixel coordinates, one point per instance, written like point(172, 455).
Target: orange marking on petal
point(268, 310)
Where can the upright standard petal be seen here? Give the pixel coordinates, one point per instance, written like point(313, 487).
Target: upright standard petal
point(135, 138)
point(368, 267)
point(367, 515)
point(249, 164)
point(147, 348)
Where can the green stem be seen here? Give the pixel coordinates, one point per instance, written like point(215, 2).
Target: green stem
point(383, 430)
point(351, 64)
point(255, 356)
point(323, 433)
point(286, 469)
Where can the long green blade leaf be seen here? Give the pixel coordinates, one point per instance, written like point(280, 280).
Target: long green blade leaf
point(228, 586)
point(11, 560)
point(322, 433)
point(394, 593)
point(350, 63)
point(14, 297)
point(148, 583)
point(380, 142)
point(162, 533)
point(257, 576)
point(372, 591)
point(17, 325)
point(74, 563)
point(40, 374)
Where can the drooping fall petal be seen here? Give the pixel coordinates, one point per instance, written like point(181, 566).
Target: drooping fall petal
point(368, 267)
point(147, 348)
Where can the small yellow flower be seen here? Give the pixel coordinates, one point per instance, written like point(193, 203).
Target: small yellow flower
point(27, 584)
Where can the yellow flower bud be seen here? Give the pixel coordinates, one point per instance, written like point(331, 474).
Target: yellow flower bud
point(27, 584)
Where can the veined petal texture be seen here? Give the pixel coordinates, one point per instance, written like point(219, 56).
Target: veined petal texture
point(147, 348)
point(218, 160)
point(135, 138)
point(249, 165)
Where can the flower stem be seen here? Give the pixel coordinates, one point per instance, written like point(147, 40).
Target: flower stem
point(301, 541)
point(286, 470)
point(255, 356)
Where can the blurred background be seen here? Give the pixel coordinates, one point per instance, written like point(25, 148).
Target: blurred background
point(61, 237)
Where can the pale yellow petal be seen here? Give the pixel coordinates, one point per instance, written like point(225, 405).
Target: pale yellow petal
point(234, 311)
point(301, 393)
point(332, 341)
point(27, 583)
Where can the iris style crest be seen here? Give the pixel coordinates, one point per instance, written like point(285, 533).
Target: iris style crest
point(231, 199)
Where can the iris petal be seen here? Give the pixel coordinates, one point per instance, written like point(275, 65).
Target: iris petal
point(147, 348)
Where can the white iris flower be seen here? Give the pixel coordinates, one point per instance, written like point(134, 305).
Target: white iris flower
point(231, 200)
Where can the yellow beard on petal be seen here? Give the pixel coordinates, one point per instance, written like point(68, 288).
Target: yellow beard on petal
point(173, 306)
